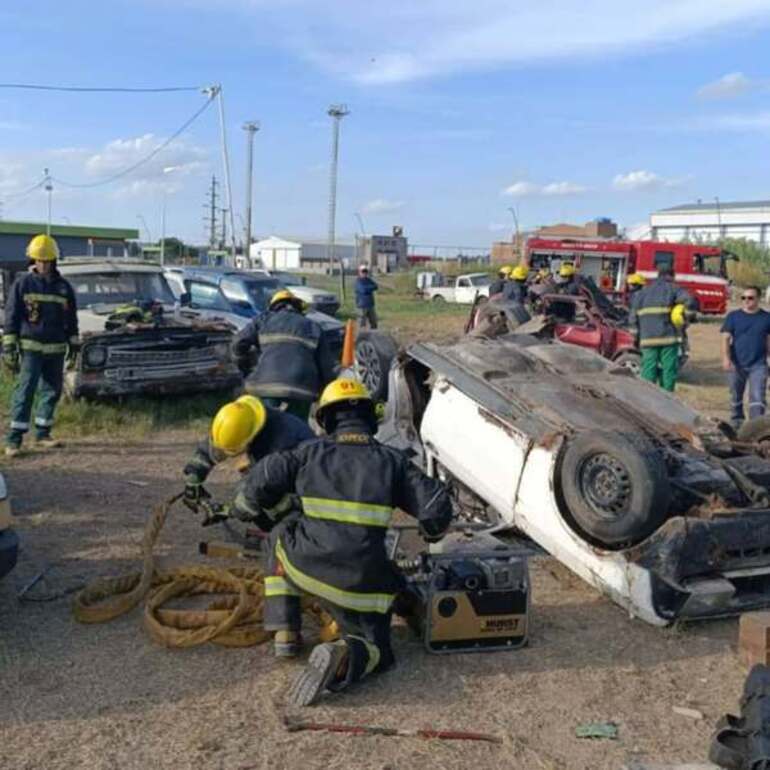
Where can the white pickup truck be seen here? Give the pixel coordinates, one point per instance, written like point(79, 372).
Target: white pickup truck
point(463, 290)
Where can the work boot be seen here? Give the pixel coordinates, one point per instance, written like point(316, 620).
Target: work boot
point(48, 442)
point(287, 644)
point(327, 663)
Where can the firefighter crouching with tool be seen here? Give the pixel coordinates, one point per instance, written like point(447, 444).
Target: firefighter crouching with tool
point(245, 428)
point(295, 360)
point(41, 327)
point(660, 311)
point(334, 548)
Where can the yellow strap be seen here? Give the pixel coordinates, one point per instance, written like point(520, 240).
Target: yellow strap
point(352, 600)
point(43, 347)
point(45, 298)
point(365, 514)
point(653, 311)
point(273, 339)
point(278, 586)
point(10, 339)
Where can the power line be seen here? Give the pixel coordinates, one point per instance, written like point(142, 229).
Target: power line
point(147, 158)
point(23, 193)
point(88, 89)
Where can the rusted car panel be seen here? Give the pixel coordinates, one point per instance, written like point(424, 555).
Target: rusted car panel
point(495, 419)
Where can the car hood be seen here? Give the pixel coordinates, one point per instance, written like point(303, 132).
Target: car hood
point(548, 388)
point(91, 321)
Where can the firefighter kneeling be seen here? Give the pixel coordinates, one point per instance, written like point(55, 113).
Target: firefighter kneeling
point(334, 549)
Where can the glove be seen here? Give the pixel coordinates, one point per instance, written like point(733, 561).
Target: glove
point(11, 358)
point(73, 350)
point(194, 496)
point(215, 514)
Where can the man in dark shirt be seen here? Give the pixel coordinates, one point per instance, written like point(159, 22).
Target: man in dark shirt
point(745, 346)
point(365, 288)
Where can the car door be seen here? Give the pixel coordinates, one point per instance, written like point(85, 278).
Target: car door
point(464, 291)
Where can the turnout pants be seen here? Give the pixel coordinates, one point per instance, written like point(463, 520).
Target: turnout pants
point(756, 378)
point(47, 371)
point(661, 365)
point(365, 634)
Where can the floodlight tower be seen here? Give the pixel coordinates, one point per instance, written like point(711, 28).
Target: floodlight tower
point(336, 112)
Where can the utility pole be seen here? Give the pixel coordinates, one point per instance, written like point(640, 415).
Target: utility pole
point(517, 244)
point(49, 191)
point(336, 112)
point(719, 219)
point(250, 127)
point(213, 213)
point(224, 227)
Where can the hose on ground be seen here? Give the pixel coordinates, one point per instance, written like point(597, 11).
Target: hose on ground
point(233, 619)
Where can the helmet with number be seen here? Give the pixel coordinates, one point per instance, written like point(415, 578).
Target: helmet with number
point(285, 297)
point(43, 248)
point(505, 271)
point(341, 393)
point(636, 279)
point(520, 273)
point(237, 424)
point(567, 270)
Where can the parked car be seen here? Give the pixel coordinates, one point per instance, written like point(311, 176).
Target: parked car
point(657, 506)
point(134, 339)
point(318, 299)
point(237, 296)
point(463, 290)
point(9, 540)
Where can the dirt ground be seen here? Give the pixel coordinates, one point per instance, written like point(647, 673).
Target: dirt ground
point(107, 697)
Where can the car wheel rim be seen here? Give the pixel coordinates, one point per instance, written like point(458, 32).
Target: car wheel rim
point(368, 366)
point(605, 484)
point(633, 366)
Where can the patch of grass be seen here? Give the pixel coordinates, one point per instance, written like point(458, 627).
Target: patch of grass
point(130, 417)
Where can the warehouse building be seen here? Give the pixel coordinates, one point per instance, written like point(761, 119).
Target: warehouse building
point(73, 240)
point(307, 254)
point(712, 221)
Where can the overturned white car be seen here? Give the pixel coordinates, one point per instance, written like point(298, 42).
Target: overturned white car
point(660, 508)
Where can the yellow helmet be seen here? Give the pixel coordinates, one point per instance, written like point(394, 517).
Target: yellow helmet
point(567, 270)
point(237, 424)
point(43, 248)
point(339, 391)
point(520, 273)
point(284, 295)
point(505, 270)
point(678, 315)
point(636, 279)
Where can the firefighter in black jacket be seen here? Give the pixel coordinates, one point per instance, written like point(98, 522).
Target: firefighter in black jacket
point(295, 360)
point(41, 326)
point(348, 485)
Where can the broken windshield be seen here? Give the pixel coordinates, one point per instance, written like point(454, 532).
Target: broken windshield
point(120, 288)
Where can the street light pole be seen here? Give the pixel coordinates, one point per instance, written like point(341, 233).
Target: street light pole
point(250, 127)
point(515, 226)
point(49, 191)
point(336, 112)
point(719, 218)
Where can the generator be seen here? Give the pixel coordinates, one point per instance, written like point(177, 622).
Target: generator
point(469, 593)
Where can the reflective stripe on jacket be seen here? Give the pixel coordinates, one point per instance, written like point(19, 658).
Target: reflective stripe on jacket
point(295, 360)
point(282, 431)
point(651, 312)
point(349, 485)
point(41, 313)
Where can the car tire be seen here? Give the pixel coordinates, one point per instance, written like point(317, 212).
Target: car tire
point(615, 487)
point(375, 352)
point(755, 430)
point(631, 361)
point(438, 300)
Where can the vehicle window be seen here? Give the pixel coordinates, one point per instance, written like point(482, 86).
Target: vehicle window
point(120, 288)
point(669, 255)
point(463, 282)
point(207, 297)
point(261, 291)
point(480, 280)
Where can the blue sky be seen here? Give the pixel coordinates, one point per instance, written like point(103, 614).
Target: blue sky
point(566, 110)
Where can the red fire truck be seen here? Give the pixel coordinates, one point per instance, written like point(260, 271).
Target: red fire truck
point(702, 270)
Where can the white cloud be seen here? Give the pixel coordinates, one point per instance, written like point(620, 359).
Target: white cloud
point(552, 189)
point(644, 180)
point(729, 85)
point(499, 227)
point(383, 206)
point(437, 37)
point(739, 122)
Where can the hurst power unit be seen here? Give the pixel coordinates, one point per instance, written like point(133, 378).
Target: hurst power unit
point(473, 596)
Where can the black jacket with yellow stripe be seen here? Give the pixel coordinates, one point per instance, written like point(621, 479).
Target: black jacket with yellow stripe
point(651, 312)
point(295, 360)
point(41, 313)
point(349, 485)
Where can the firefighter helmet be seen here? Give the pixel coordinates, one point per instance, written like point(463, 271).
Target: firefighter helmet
point(237, 424)
point(43, 248)
point(520, 273)
point(678, 315)
point(342, 391)
point(567, 270)
point(636, 279)
point(284, 295)
point(505, 270)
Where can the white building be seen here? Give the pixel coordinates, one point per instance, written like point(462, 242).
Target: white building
point(711, 221)
point(309, 254)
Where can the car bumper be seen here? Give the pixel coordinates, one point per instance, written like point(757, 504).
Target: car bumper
point(9, 551)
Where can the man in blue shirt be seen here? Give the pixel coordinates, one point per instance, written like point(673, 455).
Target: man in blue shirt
point(745, 346)
point(365, 288)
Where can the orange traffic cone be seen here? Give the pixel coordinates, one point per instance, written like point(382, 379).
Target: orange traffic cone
point(349, 345)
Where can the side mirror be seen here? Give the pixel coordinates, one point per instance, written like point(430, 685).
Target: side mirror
point(185, 299)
